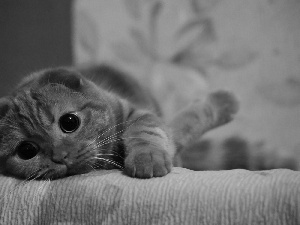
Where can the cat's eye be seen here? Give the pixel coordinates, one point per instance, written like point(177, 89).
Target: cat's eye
point(69, 122)
point(27, 150)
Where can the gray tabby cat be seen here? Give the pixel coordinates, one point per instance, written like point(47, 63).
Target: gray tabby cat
point(59, 123)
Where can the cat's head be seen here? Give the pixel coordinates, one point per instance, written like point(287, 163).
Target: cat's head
point(47, 127)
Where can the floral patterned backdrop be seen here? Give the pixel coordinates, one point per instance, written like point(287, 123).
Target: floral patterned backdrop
point(251, 47)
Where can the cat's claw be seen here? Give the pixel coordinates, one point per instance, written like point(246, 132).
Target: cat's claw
point(147, 163)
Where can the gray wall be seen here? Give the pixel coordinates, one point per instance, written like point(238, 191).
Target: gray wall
point(34, 34)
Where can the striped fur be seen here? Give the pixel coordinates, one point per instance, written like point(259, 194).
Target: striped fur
point(235, 152)
point(119, 127)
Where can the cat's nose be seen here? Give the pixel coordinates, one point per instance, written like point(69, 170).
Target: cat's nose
point(60, 157)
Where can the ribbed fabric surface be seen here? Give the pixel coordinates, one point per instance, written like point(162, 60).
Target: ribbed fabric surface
point(182, 197)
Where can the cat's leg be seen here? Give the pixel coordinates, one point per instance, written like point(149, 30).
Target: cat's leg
point(192, 122)
point(149, 146)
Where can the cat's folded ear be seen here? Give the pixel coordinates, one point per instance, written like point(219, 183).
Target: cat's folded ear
point(5, 105)
point(64, 76)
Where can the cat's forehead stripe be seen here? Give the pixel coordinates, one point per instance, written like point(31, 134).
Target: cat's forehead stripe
point(31, 112)
point(45, 115)
point(40, 109)
point(92, 105)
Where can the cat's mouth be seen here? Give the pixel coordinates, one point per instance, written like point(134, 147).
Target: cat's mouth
point(63, 170)
point(78, 168)
point(73, 166)
point(69, 163)
point(55, 174)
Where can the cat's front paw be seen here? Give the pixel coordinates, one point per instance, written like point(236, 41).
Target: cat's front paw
point(147, 163)
point(225, 104)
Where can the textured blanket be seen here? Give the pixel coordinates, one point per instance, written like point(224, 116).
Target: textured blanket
point(182, 197)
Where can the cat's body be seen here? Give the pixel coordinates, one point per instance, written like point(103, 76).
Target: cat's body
point(58, 123)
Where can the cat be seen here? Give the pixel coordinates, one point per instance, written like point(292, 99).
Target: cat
point(61, 122)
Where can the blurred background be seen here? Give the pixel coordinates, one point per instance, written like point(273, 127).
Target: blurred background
point(251, 47)
point(33, 35)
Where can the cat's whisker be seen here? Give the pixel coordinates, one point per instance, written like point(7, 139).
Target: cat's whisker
point(99, 164)
point(111, 154)
point(108, 142)
point(81, 153)
point(117, 154)
point(118, 139)
point(118, 124)
point(92, 142)
point(111, 162)
point(86, 155)
point(98, 144)
point(103, 154)
point(133, 137)
point(112, 136)
point(42, 173)
point(132, 122)
point(92, 165)
point(42, 185)
point(33, 176)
